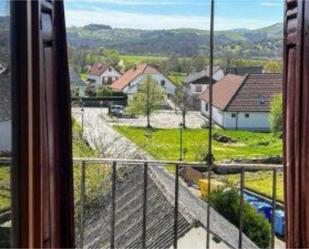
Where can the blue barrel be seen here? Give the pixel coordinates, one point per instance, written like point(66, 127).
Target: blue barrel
point(263, 208)
point(250, 198)
point(279, 222)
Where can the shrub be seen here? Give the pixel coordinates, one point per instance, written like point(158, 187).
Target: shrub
point(276, 114)
point(104, 92)
point(256, 227)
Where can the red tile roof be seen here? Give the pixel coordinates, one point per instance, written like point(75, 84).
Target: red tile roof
point(224, 90)
point(250, 93)
point(98, 69)
point(132, 74)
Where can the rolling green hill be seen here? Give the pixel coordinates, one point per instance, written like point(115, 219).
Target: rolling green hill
point(260, 43)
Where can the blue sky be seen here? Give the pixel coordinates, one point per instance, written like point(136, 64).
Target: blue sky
point(168, 14)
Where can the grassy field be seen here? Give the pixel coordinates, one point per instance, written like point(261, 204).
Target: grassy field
point(261, 182)
point(164, 143)
point(5, 193)
point(137, 59)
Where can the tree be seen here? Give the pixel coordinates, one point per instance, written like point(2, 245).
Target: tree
point(183, 101)
point(103, 92)
point(276, 114)
point(226, 58)
point(199, 63)
point(149, 97)
point(274, 67)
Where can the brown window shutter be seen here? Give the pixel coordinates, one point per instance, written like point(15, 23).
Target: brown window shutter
point(42, 177)
point(296, 103)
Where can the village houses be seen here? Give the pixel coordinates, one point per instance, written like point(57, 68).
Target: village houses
point(101, 74)
point(131, 80)
point(242, 102)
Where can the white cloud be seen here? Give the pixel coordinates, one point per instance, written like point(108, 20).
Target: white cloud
point(272, 4)
point(150, 21)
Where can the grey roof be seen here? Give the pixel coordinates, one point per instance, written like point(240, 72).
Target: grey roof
point(160, 214)
point(200, 76)
point(129, 217)
point(5, 97)
point(75, 79)
point(244, 70)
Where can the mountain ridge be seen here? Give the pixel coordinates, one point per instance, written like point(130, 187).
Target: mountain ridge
point(260, 43)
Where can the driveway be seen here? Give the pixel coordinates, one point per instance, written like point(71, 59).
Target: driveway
point(161, 119)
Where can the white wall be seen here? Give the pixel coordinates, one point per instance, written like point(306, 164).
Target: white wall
point(133, 87)
point(255, 121)
point(114, 74)
point(219, 75)
point(217, 115)
point(6, 136)
point(96, 79)
point(193, 91)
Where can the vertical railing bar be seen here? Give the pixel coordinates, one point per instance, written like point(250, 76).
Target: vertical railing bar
point(208, 206)
point(274, 204)
point(82, 203)
point(176, 207)
point(241, 206)
point(113, 204)
point(210, 156)
point(145, 204)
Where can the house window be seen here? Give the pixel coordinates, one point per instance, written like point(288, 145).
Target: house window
point(163, 83)
point(233, 115)
point(198, 89)
point(261, 100)
point(206, 107)
point(247, 115)
point(109, 69)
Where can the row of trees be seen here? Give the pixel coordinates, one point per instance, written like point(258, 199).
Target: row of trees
point(82, 57)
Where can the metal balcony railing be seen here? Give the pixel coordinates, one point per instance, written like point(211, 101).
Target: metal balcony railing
point(145, 164)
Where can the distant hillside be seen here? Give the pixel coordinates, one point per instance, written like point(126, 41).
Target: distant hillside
point(260, 43)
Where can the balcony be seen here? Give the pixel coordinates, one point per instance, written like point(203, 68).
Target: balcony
point(142, 205)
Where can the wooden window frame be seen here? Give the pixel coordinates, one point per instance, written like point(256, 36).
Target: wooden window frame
point(41, 175)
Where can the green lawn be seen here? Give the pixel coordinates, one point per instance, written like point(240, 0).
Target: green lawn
point(5, 193)
point(83, 76)
point(163, 144)
point(261, 182)
point(137, 59)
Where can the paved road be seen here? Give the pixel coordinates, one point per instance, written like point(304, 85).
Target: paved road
point(101, 136)
point(161, 119)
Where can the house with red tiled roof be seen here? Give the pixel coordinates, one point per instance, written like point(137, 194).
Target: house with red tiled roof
point(131, 80)
point(101, 74)
point(242, 102)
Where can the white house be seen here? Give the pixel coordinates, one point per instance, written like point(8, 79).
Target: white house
point(242, 102)
point(78, 86)
point(199, 81)
point(130, 81)
point(5, 114)
point(196, 83)
point(102, 75)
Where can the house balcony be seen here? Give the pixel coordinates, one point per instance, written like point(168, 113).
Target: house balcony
point(141, 204)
